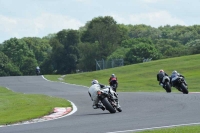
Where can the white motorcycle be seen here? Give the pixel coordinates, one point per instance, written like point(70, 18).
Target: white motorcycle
point(109, 99)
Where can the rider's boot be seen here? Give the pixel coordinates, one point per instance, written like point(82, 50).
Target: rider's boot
point(98, 106)
point(118, 106)
point(95, 107)
point(101, 107)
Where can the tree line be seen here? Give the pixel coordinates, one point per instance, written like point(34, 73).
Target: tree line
point(69, 50)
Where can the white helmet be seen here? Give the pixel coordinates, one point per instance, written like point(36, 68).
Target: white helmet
point(113, 75)
point(94, 81)
point(174, 72)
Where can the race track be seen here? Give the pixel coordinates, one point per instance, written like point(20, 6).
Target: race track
point(140, 110)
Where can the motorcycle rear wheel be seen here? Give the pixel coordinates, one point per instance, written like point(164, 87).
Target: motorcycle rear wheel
point(114, 87)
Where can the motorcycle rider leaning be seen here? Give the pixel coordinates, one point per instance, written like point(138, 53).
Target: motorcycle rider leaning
point(174, 76)
point(160, 76)
point(93, 94)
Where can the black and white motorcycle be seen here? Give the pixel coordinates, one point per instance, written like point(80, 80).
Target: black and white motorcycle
point(180, 84)
point(109, 99)
point(166, 84)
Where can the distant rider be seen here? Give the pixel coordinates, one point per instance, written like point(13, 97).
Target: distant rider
point(37, 70)
point(160, 76)
point(93, 94)
point(113, 80)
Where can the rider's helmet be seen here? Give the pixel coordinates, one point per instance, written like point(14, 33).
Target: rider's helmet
point(94, 81)
point(113, 75)
point(174, 72)
point(161, 71)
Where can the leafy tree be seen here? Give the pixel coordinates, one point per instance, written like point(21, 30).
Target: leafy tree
point(165, 31)
point(180, 33)
point(1, 47)
point(119, 53)
point(47, 66)
point(144, 31)
point(49, 36)
point(194, 46)
point(69, 40)
point(139, 52)
point(106, 32)
point(84, 28)
point(170, 48)
point(134, 41)
point(28, 66)
point(40, 47)
point(56, 57)
point(123, 31)
point(188, 36)
point(88, 54)
point(175, 52)
point(7, 68)
point(17, 50)
point(162, 42)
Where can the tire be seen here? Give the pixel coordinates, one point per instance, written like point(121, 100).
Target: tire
point(119, 109)
point(167, 87)
point(37, 73)
point(108, 105)
point(184, 89)
point(114, 87)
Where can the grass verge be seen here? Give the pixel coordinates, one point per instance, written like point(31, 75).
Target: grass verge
point(183, 129)
point(17, 107)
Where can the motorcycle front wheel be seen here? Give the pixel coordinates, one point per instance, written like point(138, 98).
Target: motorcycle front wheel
point(167, 87)
point(108, 106)
point(184, 88)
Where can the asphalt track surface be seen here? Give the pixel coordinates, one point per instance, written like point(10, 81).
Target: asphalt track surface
point(140, 110)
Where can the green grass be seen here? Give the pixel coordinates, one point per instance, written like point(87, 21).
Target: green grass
point(17, 107)
point(183, 129)
point(141, 77)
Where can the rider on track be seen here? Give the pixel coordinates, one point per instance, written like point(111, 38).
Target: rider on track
point(113, 80)
point(160, 76)
point(93, 94)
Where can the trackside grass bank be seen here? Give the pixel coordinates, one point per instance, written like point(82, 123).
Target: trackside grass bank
point(141, 77)
point(183, 129)
point(17, 107)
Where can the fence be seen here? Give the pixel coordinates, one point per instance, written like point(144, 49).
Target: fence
point(147, 60)
point(102, 64)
